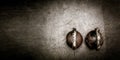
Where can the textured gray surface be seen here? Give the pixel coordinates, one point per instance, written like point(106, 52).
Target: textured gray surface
point(36, 30)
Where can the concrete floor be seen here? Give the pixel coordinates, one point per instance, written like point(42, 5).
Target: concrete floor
point(36, 30)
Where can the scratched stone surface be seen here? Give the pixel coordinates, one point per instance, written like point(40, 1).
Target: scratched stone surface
point(36, 30)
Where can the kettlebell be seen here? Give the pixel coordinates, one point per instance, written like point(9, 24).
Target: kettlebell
point(74, 39)
point(94, 39)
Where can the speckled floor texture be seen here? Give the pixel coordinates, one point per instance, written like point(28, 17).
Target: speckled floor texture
point(37, 29)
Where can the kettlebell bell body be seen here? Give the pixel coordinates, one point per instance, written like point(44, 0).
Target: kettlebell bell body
point(94, 39)
point(74, 39)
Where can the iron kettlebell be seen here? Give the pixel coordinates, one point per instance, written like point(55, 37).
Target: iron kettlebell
point(74, 39)
point(94, 39)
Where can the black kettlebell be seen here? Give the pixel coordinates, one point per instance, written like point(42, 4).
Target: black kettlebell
point(74, 39)
point(94, 39)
